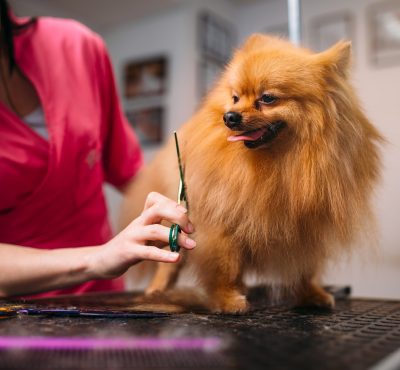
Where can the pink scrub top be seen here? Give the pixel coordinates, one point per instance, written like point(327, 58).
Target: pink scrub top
point(51, 192)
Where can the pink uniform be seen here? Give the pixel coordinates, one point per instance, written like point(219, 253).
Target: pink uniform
point(51, 191)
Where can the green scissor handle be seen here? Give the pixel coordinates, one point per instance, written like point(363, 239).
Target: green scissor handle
point(175, 228)
point(173, 238)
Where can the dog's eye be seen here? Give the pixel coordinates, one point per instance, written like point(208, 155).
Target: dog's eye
point(235, 99)
point(268, 99)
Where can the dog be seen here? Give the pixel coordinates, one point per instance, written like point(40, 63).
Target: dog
point(280, 163)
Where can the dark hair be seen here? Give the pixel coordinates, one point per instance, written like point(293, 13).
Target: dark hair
point(8, 27)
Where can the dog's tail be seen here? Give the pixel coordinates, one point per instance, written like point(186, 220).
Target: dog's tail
point(162, 176)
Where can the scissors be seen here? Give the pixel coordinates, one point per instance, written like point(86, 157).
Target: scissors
point(6, 312)
point(175, 228)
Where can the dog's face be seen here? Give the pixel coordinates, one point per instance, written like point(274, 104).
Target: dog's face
point(276, 92)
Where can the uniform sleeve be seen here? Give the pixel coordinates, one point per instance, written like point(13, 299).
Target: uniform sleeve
point(122, 156)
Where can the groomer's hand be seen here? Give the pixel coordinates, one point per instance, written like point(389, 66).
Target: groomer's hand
point(137, 241)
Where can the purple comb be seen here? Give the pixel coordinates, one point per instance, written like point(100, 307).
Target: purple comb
point(50, 343)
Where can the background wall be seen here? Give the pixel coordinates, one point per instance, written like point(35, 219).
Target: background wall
point(170, 29)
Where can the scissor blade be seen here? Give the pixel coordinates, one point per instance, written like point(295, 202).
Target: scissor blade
point(182, 190)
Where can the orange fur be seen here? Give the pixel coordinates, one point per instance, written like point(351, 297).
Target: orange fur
point(287, 207)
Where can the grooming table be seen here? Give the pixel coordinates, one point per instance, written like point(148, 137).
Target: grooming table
point(357, 334)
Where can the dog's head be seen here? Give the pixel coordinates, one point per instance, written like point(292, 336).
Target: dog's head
point(284, 133)
point(275, 92)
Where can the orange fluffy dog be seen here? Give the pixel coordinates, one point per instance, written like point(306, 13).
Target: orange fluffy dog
point(280, 162)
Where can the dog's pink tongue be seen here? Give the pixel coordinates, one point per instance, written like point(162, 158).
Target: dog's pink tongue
point(247, 136)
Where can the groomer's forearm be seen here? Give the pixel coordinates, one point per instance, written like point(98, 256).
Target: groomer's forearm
point(25, 270)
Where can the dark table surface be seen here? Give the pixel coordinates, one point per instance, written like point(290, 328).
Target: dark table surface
point(357, 334)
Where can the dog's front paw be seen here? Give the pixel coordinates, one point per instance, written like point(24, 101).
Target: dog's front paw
point(232, 303)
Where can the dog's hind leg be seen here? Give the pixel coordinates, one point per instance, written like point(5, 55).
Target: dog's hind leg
point(309, 293)
point(165, 277)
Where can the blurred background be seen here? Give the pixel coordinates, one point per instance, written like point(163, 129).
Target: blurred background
point(166, 54)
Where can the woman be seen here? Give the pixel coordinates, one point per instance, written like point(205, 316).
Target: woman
point(62, 135)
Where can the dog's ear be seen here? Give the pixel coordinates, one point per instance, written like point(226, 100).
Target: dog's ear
point(254, 42)
point(337, 58)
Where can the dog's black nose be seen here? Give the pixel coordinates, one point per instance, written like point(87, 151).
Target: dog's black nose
point(232, 119)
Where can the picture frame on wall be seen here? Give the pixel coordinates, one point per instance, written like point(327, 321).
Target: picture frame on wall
point(383, 20)
point(327, 30)
point(148, 124)
point(216, 40)
point(209, 71)
point(216, 37)
point(147, 77)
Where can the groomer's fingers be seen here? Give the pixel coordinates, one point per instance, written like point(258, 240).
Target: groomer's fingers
point(151, 253)
point(163, 212)
point(157, 232)
point(154, 198)
point(167, 212)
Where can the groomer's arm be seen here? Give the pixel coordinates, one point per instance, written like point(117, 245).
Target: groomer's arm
point(25, 270)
